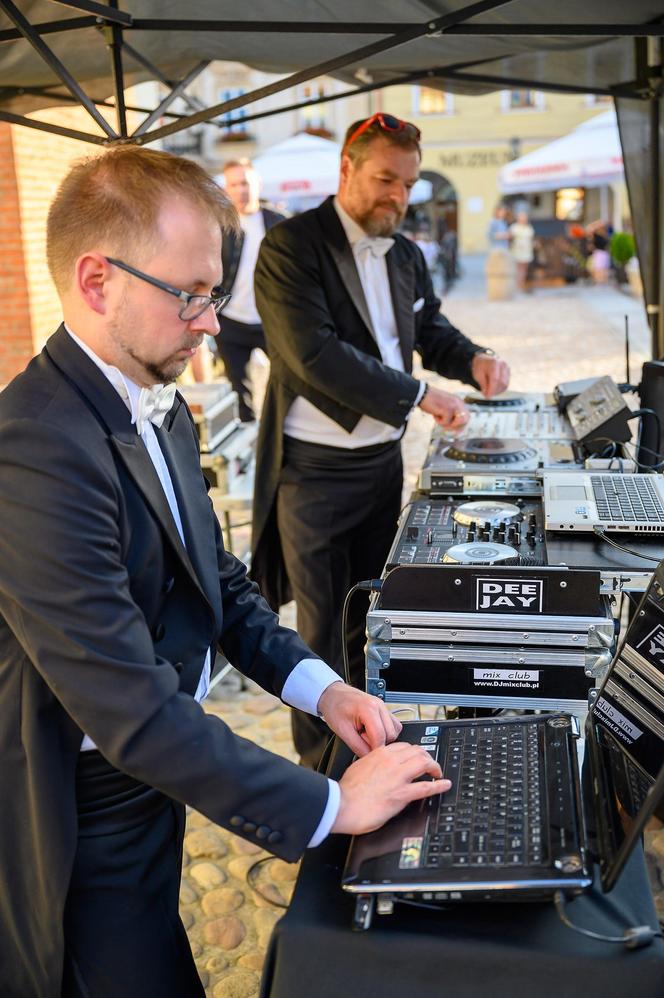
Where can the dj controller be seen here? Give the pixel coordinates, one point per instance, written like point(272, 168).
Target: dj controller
point(530, 415)
point(470, 532)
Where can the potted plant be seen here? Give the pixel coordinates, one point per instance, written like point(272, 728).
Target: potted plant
point(621, 249)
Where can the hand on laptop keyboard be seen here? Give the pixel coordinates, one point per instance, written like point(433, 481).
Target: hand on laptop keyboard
point(378, 786)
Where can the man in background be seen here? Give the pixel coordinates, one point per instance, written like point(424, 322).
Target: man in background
point(345, 300)
point(241, 331)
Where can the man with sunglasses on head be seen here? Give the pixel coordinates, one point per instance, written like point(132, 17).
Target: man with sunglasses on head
point(345, 300)
point(115, 594)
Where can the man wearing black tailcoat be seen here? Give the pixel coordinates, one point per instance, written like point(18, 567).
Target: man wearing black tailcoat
point(345, 300)
point(115, 594)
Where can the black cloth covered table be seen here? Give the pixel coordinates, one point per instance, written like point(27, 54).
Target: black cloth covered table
point(504, 950)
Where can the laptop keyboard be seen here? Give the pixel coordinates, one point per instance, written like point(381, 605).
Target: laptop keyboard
point(628, 498)
point(492, 816)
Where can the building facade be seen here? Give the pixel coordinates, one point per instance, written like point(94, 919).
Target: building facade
point(465, 141)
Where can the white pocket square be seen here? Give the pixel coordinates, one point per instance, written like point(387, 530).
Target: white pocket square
point(419, 304)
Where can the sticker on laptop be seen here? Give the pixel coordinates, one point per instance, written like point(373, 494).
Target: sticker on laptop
point(411, 852)
point(652, 646)
point(431, 729)
point(617, 722)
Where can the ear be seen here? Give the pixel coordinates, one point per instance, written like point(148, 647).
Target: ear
point(346, 170)
point(91, 276)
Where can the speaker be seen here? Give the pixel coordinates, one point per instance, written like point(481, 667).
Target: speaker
point(651, 393)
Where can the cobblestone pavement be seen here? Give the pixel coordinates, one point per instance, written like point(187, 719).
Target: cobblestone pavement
point(552, 335)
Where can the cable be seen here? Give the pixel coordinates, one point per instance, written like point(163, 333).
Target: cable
point(633, 938)
point(623, 547)
point(369, 585)
point(252, 884)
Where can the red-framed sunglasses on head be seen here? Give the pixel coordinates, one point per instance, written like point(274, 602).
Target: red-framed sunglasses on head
point(388, 123)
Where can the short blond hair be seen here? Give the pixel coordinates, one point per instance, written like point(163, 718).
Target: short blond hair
point(115, 200)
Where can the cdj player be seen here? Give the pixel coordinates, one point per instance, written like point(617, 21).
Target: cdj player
point(446, 460)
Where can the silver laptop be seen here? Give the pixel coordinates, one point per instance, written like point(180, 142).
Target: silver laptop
point(523, 819)
point(583, 501)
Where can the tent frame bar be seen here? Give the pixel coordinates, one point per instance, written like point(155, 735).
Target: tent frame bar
point(49, 57)
point(653, 29)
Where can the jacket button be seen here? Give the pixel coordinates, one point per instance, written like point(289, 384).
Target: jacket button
point(274, 837)
point(158, 632)
point(249, 827)
point(168, 585)
point(178, 666)
point(236, 820)
point(263, 831)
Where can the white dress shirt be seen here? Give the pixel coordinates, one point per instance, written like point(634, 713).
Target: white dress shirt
point(242, 306)
point(310, 677)
point(304, 421)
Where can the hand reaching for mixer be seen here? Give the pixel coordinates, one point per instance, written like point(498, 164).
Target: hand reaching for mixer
point(449, 411)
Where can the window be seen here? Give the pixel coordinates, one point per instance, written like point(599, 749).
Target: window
point(428, 100)
point(238, 130)
point(569, 203)
point(313, 119)
point(522, 100)
point(596, 100)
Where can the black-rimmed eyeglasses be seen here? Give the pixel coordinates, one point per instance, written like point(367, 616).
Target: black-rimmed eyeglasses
point(193, 305)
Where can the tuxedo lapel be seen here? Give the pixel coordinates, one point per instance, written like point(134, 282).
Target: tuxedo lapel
point(107, 407)
point(184, 467)
point(343, 257)
point(401, 273)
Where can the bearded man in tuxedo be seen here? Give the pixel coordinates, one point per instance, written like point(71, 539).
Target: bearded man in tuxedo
point(345, 300)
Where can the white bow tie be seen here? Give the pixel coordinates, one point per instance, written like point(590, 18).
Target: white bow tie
point(154, 404)
point(378, 246)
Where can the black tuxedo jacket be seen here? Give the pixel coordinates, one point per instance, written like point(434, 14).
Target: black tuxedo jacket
point(105, 620)
point(321, 346)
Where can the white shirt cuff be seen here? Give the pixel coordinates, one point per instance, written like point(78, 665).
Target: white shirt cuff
point(329, 814)
point(307, 683)
point(420, 393)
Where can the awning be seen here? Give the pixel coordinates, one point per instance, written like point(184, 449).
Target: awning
point(590, 156)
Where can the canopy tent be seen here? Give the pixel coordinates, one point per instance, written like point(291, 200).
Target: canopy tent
point(589, 156)
point(57, 51)
point(305, 168)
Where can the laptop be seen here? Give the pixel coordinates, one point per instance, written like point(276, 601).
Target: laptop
point(523, 819)
point(612, 502)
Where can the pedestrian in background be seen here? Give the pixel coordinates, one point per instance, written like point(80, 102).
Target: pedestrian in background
point(522, 239)
point(241, 330)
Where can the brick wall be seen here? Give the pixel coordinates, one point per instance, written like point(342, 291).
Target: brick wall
point(16, 345)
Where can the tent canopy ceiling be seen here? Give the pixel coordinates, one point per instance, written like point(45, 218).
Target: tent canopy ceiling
point(468, 48)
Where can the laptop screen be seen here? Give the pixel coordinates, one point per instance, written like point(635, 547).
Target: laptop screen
point(626, 735)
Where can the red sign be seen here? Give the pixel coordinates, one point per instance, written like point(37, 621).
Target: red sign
point(295, 185)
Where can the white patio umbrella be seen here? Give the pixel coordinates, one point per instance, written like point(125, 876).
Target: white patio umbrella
point(305, 168)
point(589, 156)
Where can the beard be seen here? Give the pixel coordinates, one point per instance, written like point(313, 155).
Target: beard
point(161, 371)
point(379, 224)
